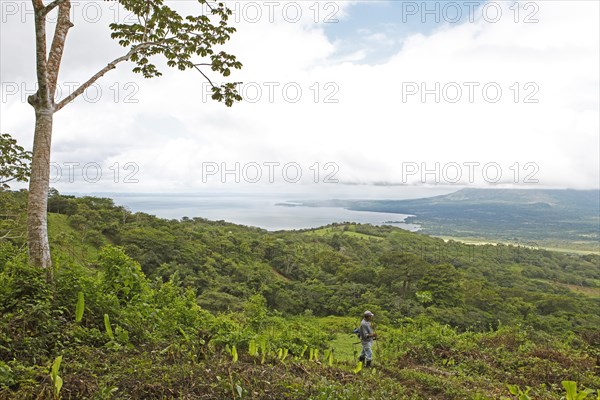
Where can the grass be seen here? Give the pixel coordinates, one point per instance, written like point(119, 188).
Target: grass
point(583, 290)
point(66, 241)
point(330, 231)
point(581, 248)
point(344, 347)
point(587, 291)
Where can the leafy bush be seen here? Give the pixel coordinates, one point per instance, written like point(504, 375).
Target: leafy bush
point(29, 320)
point(123, 276)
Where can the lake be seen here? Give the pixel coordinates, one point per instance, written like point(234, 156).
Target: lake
point(267, 211)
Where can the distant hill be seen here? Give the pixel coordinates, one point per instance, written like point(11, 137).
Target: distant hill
point(554, 218)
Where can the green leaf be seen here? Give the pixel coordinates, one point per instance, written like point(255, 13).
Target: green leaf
point(234, 354)
point(571, 388)
point(285, 354)
point(263, 350)
point(358, 367)
point(80, 307)
point(252, 348)
point(303, 351)
point(58, 383)
point(109, 331)
point(56, 379)
point(585, 393)
point(55, 367)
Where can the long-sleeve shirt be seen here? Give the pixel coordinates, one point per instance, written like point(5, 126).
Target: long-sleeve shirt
point(365, 330)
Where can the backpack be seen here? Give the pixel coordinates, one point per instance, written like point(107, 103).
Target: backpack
point(356, 331)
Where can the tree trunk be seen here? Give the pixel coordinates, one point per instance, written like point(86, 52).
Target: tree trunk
point(37, 217)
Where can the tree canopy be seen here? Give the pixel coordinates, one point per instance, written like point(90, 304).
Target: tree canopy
point(14, 161)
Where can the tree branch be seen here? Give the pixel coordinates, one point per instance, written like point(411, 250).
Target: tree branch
point(63, 24)
point(99, 74)
point(42, 96)
point(204, 75)
point(10, 179)
point(6, 236)
point(196, 66)
point(52, 6)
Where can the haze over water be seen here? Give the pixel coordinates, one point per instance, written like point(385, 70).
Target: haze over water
point(267, 211)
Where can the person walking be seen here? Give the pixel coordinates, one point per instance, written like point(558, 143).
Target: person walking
point(367, 336)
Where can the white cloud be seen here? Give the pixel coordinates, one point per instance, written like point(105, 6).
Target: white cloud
point(370, 133)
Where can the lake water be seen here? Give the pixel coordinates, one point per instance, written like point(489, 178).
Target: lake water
point(263, 211)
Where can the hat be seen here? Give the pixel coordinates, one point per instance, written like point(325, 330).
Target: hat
point(368, 314)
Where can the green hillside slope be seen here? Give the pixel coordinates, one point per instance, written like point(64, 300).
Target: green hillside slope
point(566, 219)
point(201, 309)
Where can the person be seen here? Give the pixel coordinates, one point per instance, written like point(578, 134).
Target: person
point(366, 339)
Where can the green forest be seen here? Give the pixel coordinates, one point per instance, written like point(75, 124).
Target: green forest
point(549, 218)
point(144, 307)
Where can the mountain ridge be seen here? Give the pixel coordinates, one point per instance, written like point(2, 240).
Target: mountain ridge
point(555, 217)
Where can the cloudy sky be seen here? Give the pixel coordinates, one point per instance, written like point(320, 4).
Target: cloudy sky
point(356, 96)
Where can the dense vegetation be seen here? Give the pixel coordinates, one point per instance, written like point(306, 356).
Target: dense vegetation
point(142, 307)
point(564, 219)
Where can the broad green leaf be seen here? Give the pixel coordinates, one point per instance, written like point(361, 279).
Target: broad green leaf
point(303, 351)
point(234, 354)
point(252, 349)
point(571, 388)
point(80, 307)
point(358, 367)
point(263, 349)
point(55, 367)
point(109, 330)
point(58, 383)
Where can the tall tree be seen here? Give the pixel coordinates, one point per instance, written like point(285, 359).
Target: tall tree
point(185, 43)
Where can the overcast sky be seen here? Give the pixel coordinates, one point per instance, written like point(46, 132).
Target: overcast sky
point(356, 95)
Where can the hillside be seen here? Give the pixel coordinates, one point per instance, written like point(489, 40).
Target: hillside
point(202, 309)
point(535, 217)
